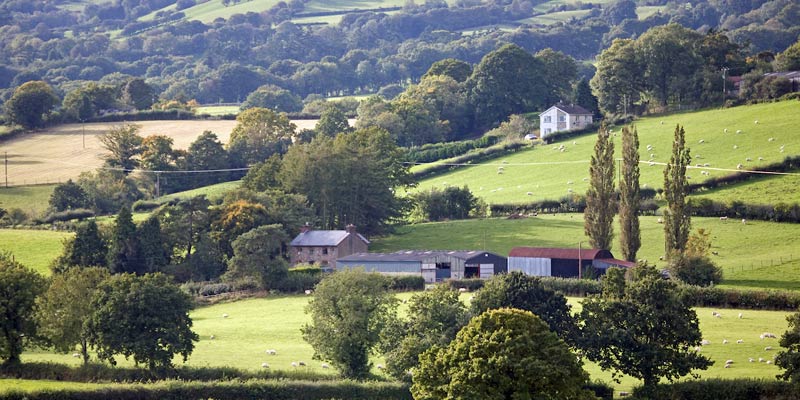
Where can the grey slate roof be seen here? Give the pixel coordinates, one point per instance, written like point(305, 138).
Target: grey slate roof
point(323, 238)
point(573, 109)
point(409, 255)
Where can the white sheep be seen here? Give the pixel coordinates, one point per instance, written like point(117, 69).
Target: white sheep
point(211, 337)
point(769, 361)
point(735, 147)
point(660, 220)
point(707, 164)
point(739, 166)
point(585, 179)
point(750, 359)
point(724, 341)
point(701, 141)
point(768, 348)
point(574, 143)
point(772, 139)
point(727, 365)
point(760, 359)
point(264, 365)
point(224, 315)
point(500, 172)
point(652, 155)
point(723, 218)
point(308, 292)
point(294, 364)
point(530, 193)
point(714, 313)
point(705, 342)
point(729, 362)
point(325, 365)
point(302, 364)
point(569, 182)
point(379, 366)
point(662, 122)
point(504, 162)
point(744, 221)
point(760, 158)
point(500, 168)
point(755, 122)
point(741, 315)
point(462, 290)
point(725, 130)
point(748, 159)
point(740, 341)
point(738, 131)
point(76, 355)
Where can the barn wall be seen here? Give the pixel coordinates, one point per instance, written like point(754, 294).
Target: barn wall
point(530, 266)
point(388, 268)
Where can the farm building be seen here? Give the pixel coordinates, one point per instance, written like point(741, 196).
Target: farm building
point(434, 266)
point(541, 261)
point(562, 117)
point(324, 247)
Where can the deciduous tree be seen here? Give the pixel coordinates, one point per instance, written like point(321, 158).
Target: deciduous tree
point(629, 235)
point(124, 253)
point(259, 133)
point(349, 311)
point(332, 122)
point(677, 221)
point(501, 354)
point(649, 333)
point(68, 196)
point(31, 103)
point(123, 144)
point(258, 255)
point(19, 287)
point(66, 305)
point(601, 204)
point(144, 317)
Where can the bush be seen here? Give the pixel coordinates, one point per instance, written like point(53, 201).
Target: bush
point(748, 299)
point(695, 270)
point(729, 389)
point(438, 151)
point(601, 389)
point(406, 283)
point(572, 286)
point(469, 284)
point(214, 289)
point(68, 215)
point(144, 205)
point(298, 282)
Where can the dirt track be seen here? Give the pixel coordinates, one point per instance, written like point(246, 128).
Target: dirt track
point(63, 152)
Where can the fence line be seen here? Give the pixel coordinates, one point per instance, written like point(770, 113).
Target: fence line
point(759, 264)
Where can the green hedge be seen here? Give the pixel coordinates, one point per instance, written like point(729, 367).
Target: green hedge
point(475, 156)
point(469, 284)
point(439, 151)
point(232, 390)
point(728, 389)
point(748, 299)
point(779, 212)
point(405, 283)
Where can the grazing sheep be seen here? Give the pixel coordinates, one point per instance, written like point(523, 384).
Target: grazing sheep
point(760, 359)
point(462, 290)
point(744, 221)
point(760, 158)
point(309, 291)
point(748, 159)
point(768, 348)
point(569, 182)
point(729, 362)
point(272, 352)
point(714, 313)
point(701, 141)
point(707, 164)
point(379, 366)
point(697, 348)
point(224, 315)
point(738, 131)
point(504, 162)
point(724, 341)
point(740, 341)
point(294, 364)
point(569, 190)
point(716, 253)
point(500, 168)
point(723, 218)
point(698, 156)
point(704, 173)
point(264, 365)
point(705, 342)
point(500, 172)
point(755, 122)
point(725, 130)
point(325, 365)
point(735, 147)
point(662, 122)
point(772, 139)
point(750, 359)
point(739, 166)
point(211, 337)
point(769, 361)
point(741, 316)
point(727, 365)
point(585, 179)
point(574, 143)
point(660, 221)
point(530, 193)
point(76, 355)
point(652, 155)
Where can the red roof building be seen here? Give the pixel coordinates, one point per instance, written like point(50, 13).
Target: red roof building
point(561, 262)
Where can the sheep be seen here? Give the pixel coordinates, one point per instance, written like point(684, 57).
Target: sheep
point(769, 361)
point(272, 352)
point(624, 394)
point(727, 365)
point(660, 221)
point(264, 365)
point(530, 193)
point(707, 164)
point(224, 315)
point(574, 143)
point(725, 130)
point(76, 355)
point(729, 362)
point(760, 359)
point(739, 166)
point(500, 168)
point(738, 131)
point(500, 172)
point(662, 122)
point(652, 163)
point(772, 139)
point(697, 348)
point(723, 218)
point(652, 155)
point(211, 337)
point(724, 341)
point(462, 290)
point(744, 221)
point(698, 156)
point(701, 141)
point(735, 147)
point(716, 253)
point(760, 158)
point(325, 365)
point(294, 364)
point(569, 182)
point(748, 159)
point(750, 359)
point(714, 313)
point(768, 335)
point(569, 190)
point(740, 341)
point(379, 366)
point(704, 173)
point(755, 122)
point(308, 292)
point(768, 348)
point(585, 179)
point(705, 342)
point(504, 162)
point(741, 316)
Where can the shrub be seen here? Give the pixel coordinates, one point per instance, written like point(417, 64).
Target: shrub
point(68, 215)
point(729, 389)
point(572, 286)
point(404, 283)
point(214, 289)
point(298, 281)
point(469, 284)
point(695, 270)
point(144, 205)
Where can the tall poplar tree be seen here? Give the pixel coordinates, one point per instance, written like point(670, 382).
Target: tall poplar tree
point(629, 234)
point(599, 214)
point(677, 222)
point(124, 253)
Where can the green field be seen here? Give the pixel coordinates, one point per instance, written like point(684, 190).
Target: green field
point(552, 18)
point(35, 249)
point(645, 11)
point(212, 192)
point(31, 199)
point(770, 189)
point(770, 264)
point(256, 325)
point(548, 173)
point(217, 110)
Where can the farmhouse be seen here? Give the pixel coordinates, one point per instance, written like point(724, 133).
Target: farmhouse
point(562, 117)
point(324, 247)
point(434, 266)
point(542, 261)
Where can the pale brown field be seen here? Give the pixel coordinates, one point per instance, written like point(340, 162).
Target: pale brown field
point(63, 152)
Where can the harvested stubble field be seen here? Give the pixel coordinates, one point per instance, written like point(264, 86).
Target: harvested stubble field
point(62, 152)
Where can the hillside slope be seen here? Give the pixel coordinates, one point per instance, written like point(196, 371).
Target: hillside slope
point(548, 173)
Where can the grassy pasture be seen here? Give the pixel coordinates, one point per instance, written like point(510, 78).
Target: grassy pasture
point(767, 265)
point(35, 249)
point(768, 189)
point(31, 199)
point(58, 153)
point(542, 7)
point(217, 110)
point(256, 325)
point(645, 11)
point(211, 192)
point(552, 18)
point(546, 172)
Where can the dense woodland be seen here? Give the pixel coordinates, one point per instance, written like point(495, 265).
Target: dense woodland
point(69, 45)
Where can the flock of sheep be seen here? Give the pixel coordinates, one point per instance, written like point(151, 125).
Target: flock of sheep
point(729, 363)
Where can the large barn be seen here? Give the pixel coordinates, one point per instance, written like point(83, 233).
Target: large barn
point(433, 265)
point(543, 261)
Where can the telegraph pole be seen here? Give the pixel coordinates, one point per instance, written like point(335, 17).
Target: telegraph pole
point(724, 81)
point(580, 266)
point(6, 170)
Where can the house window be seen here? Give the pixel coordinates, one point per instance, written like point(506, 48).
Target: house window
point(562, 118)
point(547, 131)
point(325, 250)
point(547, 119)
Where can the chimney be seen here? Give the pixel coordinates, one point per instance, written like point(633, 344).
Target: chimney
point(305, 228)
point(350, 228)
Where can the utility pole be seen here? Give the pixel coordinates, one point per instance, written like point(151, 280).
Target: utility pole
point(580, 262)
point(83, 133)
point(6, 170)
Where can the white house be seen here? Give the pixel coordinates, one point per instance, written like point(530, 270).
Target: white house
point(562, 117)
